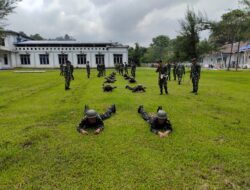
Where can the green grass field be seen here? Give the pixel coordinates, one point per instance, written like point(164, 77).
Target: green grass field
point(40, 148)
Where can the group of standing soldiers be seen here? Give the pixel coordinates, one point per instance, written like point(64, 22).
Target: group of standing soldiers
point(122, 69)
point(101, 69)
point(178, 71)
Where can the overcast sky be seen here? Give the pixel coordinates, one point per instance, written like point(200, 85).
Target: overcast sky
point(125, 21)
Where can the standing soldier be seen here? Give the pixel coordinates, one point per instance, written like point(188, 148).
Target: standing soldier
point(180, 70)
point(133, 69)
point(67, 75)
point(195, 75)
point(126, 68)
point(88, 69)
point(99, 70)
point(104, 69)
point(72, 71)
point(169, 71)
point(163, 77)
point(122, 68)
point(174, 71)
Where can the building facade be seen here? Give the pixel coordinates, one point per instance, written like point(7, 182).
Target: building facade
point(18, 51)
point(224, 59)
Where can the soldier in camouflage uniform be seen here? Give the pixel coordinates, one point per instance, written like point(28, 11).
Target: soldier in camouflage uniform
point(126, 68)
point(138, 88)
point(122, 68)
point(133, 69)
point(88, 69)
point(108, 88)
point(61, 69)
point(195, 75)
point(175, 70)
point(99, 70)
point(180, 71)
point(169, 71)
point(103, 70)
point(67, 75)
point(163, 77)
point(92, 120)
point(159, 124)
point(72, 71)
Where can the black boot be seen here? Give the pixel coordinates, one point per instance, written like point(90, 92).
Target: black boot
point(159, 108)
point(113, 108)
point(140, 108)
point(86, 108)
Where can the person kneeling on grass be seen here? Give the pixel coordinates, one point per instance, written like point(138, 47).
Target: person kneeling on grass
point(159, 124)
point(92, 120)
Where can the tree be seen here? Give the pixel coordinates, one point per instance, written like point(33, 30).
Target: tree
point(136, 54)
point(6, 7)
point(190, 28)
point(232, 28)
point(37, 37)
point(159, 49)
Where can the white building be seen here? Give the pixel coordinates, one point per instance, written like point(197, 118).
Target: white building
point(221, 58)
point(18, 51)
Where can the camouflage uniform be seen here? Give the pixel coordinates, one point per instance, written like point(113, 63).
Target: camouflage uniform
point(108, 88)
point(155, 126)
point(61, 69)
point(180, 70)
point(72, 71)
point(195, 76)
point(175, 70)
point(122, 69)
point(88, 70)
point(169, 71)
point(133, 69)
point(103, 70)
point(99, 120)
point(99, 69)
point(67, 75)
point(126, 69)
point(138, 88)
point(163, 77)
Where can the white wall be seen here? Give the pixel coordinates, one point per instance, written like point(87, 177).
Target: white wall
point(72, 56)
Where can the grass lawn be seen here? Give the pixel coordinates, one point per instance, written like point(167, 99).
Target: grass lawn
point(40, 148)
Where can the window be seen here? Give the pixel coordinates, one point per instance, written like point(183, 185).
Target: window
point(62, 58)
point(118, 58)
point(81, 59)
point(6, 59)
point(25, 59)
point(2, 41)
point(44, 59)
point(99, 59)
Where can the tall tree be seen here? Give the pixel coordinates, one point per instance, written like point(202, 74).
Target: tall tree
point(190, 29)
point(6, 7)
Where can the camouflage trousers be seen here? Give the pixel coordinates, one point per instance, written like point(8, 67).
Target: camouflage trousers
point(163, 84)
point(133, 72)
point(148, 118)
point(67, 82)
point(195, 81)
point(179, 78)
